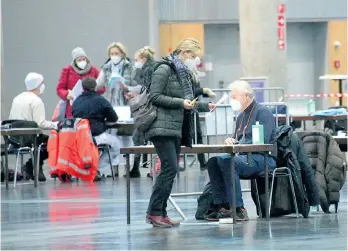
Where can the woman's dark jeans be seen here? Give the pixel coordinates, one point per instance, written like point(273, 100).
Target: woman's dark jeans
point(168, 150)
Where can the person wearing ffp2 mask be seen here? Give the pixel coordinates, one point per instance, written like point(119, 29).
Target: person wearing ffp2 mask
point(117, 75)
point(79, 69)
point(29, 106)
point(250, 112)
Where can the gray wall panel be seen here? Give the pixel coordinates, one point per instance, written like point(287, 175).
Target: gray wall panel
point(39, 36)
point(227, 10)
point(222, 49)
point(307, 55)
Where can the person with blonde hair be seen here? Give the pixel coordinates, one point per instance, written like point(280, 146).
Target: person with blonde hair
point(117, 75)
point(144, 62)
point(117, 64)
point(172, 92)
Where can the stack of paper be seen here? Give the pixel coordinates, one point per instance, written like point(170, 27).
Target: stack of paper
point(116, 78)
point(76, 91)
point(123, 113)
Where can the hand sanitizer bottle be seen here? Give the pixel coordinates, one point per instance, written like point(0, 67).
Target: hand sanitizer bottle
point(257, 132)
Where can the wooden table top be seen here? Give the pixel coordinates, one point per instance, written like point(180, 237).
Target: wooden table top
point(314, 118)
point(203, 149)
point(120, 124)
point(20, 131)
point(341, 140)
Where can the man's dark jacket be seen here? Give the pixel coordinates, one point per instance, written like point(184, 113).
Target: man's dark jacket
point(89, 105)
point(291, 154)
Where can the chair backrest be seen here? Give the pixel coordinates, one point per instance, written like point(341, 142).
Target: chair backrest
point(20, 140)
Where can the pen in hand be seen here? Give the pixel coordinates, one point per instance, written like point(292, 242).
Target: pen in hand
point(194, 101)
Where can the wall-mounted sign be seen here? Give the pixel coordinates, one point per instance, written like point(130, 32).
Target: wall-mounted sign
point(281, 8)
point(281, 26)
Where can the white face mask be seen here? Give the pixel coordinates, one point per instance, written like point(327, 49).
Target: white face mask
point(115, 59)
point(198, 61)
point(138, 65)
point(42, 88)
point(190, 63)
point(236, 105)
point(82, 64)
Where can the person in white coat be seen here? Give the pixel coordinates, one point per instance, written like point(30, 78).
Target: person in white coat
point(29, 106)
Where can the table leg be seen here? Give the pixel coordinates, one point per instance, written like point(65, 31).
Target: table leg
point(340, 81)
point(128, 188)
point(35, 161)
point(6, 160)
point(233, 173)
point(266, 186)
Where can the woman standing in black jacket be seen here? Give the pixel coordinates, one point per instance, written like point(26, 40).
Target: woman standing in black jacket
point(171, 91)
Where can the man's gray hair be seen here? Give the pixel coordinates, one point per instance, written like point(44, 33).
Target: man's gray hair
point(242, 86)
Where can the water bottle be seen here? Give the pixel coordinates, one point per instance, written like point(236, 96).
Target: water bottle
point(257, 134)
point(311, 106)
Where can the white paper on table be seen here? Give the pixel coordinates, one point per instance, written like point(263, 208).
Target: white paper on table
point(123, 113)
point(76, 91)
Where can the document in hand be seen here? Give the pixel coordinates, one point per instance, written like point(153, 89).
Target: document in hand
point(116, 78)
point(76, 91)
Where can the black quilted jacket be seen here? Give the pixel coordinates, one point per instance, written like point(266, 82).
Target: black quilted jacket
point(328, 163)
point(167, 94)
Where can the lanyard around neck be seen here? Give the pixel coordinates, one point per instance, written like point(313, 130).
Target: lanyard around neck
point(241, 123)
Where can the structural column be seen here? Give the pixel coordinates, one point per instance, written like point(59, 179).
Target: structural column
point(1, 57)
point(260, 52)
point(154, 26)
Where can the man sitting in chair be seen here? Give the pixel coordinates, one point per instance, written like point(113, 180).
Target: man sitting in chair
point(29, 106)
point(89, 105)
point(219, 167)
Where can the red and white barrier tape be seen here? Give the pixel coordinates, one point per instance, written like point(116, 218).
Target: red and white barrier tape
point(321, 95)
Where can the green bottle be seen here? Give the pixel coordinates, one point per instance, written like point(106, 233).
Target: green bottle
point(257, 133)
point(311, 106)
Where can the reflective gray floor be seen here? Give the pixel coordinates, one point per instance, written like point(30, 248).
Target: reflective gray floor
point(78, 216)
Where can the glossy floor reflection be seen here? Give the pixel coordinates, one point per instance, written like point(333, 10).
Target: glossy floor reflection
point(78, 216)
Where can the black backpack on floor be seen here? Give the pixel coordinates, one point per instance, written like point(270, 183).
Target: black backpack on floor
point(205, 202)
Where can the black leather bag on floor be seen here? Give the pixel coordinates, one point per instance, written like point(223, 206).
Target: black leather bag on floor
point(282, 202)
point(205, 202)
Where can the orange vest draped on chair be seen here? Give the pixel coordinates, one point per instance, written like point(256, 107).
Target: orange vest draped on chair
point(72, 150)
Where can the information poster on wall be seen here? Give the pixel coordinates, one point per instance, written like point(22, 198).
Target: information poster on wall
point(258, 83)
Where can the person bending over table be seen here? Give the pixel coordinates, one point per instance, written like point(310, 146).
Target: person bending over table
point(30, 107)
point(89, 105)
point(219, 167)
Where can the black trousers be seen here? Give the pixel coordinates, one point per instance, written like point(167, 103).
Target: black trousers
point(43, 154)
point(201, 156)
point(168, 150)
